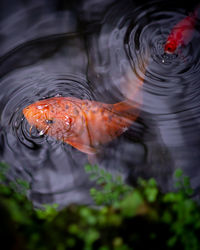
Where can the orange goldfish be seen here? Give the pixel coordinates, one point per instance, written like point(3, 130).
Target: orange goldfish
point(182, 33)
point(84, 124)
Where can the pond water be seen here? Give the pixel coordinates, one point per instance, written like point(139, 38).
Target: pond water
point(92, 50)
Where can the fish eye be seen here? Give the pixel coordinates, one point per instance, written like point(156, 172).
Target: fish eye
point(170, 47)
point(49, 121)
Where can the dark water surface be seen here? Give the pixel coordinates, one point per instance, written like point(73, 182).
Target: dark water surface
point(90, 50)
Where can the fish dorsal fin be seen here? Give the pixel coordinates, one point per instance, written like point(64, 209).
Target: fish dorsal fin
point(83, 148)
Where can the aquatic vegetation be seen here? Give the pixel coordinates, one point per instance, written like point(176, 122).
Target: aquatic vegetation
point(90, 51)
point(111, 189)
point(126, 217)
point(98, 51)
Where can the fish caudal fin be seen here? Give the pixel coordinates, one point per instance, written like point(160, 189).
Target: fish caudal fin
point(133, 101)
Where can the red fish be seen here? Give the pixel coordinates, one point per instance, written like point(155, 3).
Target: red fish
point(182, 33)
point(84, 124)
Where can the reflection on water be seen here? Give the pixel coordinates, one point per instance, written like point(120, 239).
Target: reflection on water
point(98, 50)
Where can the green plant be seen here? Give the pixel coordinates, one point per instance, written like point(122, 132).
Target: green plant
point(109, 190)
point(124, 217)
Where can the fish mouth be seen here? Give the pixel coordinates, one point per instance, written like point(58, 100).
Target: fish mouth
point(28, 113)
point(170, 47)
point(170, 51)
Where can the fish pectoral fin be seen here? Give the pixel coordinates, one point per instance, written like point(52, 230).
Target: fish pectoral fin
point(83, 148)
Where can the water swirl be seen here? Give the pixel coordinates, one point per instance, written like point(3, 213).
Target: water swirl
point(104, 62)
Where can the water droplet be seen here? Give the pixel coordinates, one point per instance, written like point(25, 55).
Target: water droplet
point(41, 132)
point(41, 107)
point(125, 129)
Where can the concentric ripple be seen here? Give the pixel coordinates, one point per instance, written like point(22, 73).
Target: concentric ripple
point(25, 149)
point(130, 46)
point(120, 56)
point(30, 90)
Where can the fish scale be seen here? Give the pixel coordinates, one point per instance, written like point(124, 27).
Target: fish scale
point(84, 124)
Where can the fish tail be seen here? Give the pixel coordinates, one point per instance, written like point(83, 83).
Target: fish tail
point(133, 92)
point(132, 88)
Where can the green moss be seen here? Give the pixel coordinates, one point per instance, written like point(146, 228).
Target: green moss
point(127, 218)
